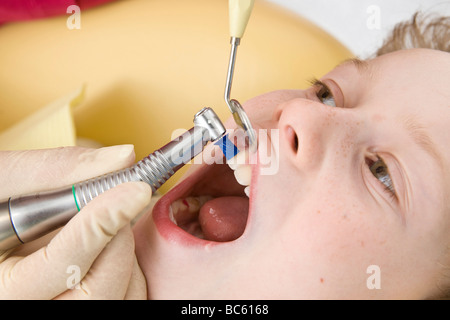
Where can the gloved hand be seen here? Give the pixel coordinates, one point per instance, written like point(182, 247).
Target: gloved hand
point(97, 245)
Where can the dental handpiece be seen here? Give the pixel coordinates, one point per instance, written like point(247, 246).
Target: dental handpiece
point(26, 218)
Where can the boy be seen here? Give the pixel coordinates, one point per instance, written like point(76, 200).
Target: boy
point(357, 208)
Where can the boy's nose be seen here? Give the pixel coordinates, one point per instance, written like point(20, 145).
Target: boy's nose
point(311, 131)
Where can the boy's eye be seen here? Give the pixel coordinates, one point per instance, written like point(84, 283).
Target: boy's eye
point(380, 171)
point(324, 94)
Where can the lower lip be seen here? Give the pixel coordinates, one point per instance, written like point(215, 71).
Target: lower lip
point(169, 230)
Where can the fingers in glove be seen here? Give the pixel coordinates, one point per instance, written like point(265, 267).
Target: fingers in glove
point(137, 288)
point(79, 243)
point(30, 171)
point(109, 276)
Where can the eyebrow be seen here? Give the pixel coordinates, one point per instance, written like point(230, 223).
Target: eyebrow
point(362, 65)
point(421, 137)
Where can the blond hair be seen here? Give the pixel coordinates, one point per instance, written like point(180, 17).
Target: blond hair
point(422, 31)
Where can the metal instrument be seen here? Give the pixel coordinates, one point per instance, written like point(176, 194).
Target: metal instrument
point(239, 11)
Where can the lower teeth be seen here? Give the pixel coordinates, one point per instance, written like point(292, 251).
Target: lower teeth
point(184, 213)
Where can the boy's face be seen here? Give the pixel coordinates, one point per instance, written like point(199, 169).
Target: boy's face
point(356, 209)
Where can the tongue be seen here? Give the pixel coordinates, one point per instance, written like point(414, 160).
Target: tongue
point(224, 219)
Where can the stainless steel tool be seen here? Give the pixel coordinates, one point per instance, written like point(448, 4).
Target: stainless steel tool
point(239, 12)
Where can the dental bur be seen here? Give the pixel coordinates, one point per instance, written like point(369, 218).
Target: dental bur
point(25, 218)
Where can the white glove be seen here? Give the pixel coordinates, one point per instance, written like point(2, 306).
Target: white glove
point(96, 246)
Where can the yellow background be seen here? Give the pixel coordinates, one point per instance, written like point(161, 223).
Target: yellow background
point(150, 65)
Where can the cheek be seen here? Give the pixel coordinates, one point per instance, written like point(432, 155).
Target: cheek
point(322, 219)
point(342, 238)
point(340, 226)
point(338, 234)
point(324, 242)
point(323, 234)
point(342, 231)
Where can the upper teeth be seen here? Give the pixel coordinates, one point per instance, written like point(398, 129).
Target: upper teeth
point(242, 170)
point(243, 175)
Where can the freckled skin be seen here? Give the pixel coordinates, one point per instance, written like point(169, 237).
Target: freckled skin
point(324, 215)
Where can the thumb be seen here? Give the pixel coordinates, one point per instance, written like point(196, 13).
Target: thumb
point(30, 171)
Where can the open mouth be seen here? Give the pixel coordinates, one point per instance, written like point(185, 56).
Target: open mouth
point(210, 205)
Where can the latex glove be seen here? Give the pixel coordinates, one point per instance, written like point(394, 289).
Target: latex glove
point(98, 241)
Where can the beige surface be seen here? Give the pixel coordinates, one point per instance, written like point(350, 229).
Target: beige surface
point(149, 65)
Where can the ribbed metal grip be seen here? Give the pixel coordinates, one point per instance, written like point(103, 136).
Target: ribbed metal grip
point(155, 169)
